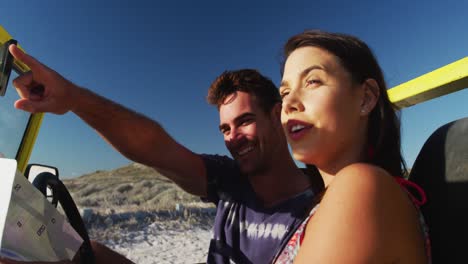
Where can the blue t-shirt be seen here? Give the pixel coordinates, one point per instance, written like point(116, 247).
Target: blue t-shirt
point(244, 230)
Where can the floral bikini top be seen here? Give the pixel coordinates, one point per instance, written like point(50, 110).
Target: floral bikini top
point(290, 250)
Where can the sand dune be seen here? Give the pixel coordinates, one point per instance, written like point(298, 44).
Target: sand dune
point(139, 213)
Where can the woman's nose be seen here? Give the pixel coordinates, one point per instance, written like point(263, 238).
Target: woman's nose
point(292, 103)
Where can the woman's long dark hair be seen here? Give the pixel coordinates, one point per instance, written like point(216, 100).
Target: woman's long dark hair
point(383, 135)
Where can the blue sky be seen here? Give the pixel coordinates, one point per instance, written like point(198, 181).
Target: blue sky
point(159, 58)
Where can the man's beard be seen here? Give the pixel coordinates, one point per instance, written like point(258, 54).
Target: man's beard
point(258, 168)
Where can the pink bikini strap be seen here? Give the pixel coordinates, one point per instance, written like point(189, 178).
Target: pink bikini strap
point(406, 184)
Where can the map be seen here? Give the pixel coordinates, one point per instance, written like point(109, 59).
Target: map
point(31, 228)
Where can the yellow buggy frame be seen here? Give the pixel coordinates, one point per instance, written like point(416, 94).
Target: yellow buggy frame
point(34, 123)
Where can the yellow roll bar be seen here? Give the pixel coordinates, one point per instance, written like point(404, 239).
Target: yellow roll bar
point(35, 120)
point(448, 79)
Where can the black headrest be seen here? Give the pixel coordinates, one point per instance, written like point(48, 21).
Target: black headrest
point(441, 169)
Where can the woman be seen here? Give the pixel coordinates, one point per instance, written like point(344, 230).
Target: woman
point(337, 117)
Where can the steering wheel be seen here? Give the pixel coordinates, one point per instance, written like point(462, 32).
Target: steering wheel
point(60, 194)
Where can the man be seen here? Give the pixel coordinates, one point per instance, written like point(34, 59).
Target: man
point(261, 195)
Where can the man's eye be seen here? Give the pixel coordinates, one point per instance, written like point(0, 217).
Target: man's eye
point(224, 131)
point(246, 122)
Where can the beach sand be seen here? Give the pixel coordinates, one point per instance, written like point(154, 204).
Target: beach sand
point(155, 237)
point(154, 245)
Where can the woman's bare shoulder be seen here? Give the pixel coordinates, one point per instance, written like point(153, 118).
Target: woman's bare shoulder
point(361, 185)
point(361, 213)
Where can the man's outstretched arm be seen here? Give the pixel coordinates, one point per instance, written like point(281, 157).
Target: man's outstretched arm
point(135, 136)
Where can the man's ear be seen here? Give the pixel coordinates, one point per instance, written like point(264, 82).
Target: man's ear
point(276, 114)
point(370, 96)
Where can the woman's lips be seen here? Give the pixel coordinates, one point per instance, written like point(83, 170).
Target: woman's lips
point(297, 129)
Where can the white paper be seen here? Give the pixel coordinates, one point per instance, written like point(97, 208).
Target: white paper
point(31, 228)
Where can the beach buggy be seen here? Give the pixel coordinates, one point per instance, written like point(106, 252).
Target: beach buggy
point(441, 167)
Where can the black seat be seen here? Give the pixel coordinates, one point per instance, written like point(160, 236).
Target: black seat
point(441, 169)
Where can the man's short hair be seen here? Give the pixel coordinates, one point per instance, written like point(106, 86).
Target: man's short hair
point(245, 80)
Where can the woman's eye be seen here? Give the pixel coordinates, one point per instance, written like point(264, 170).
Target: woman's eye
point(283, 94)
point(313, 82)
